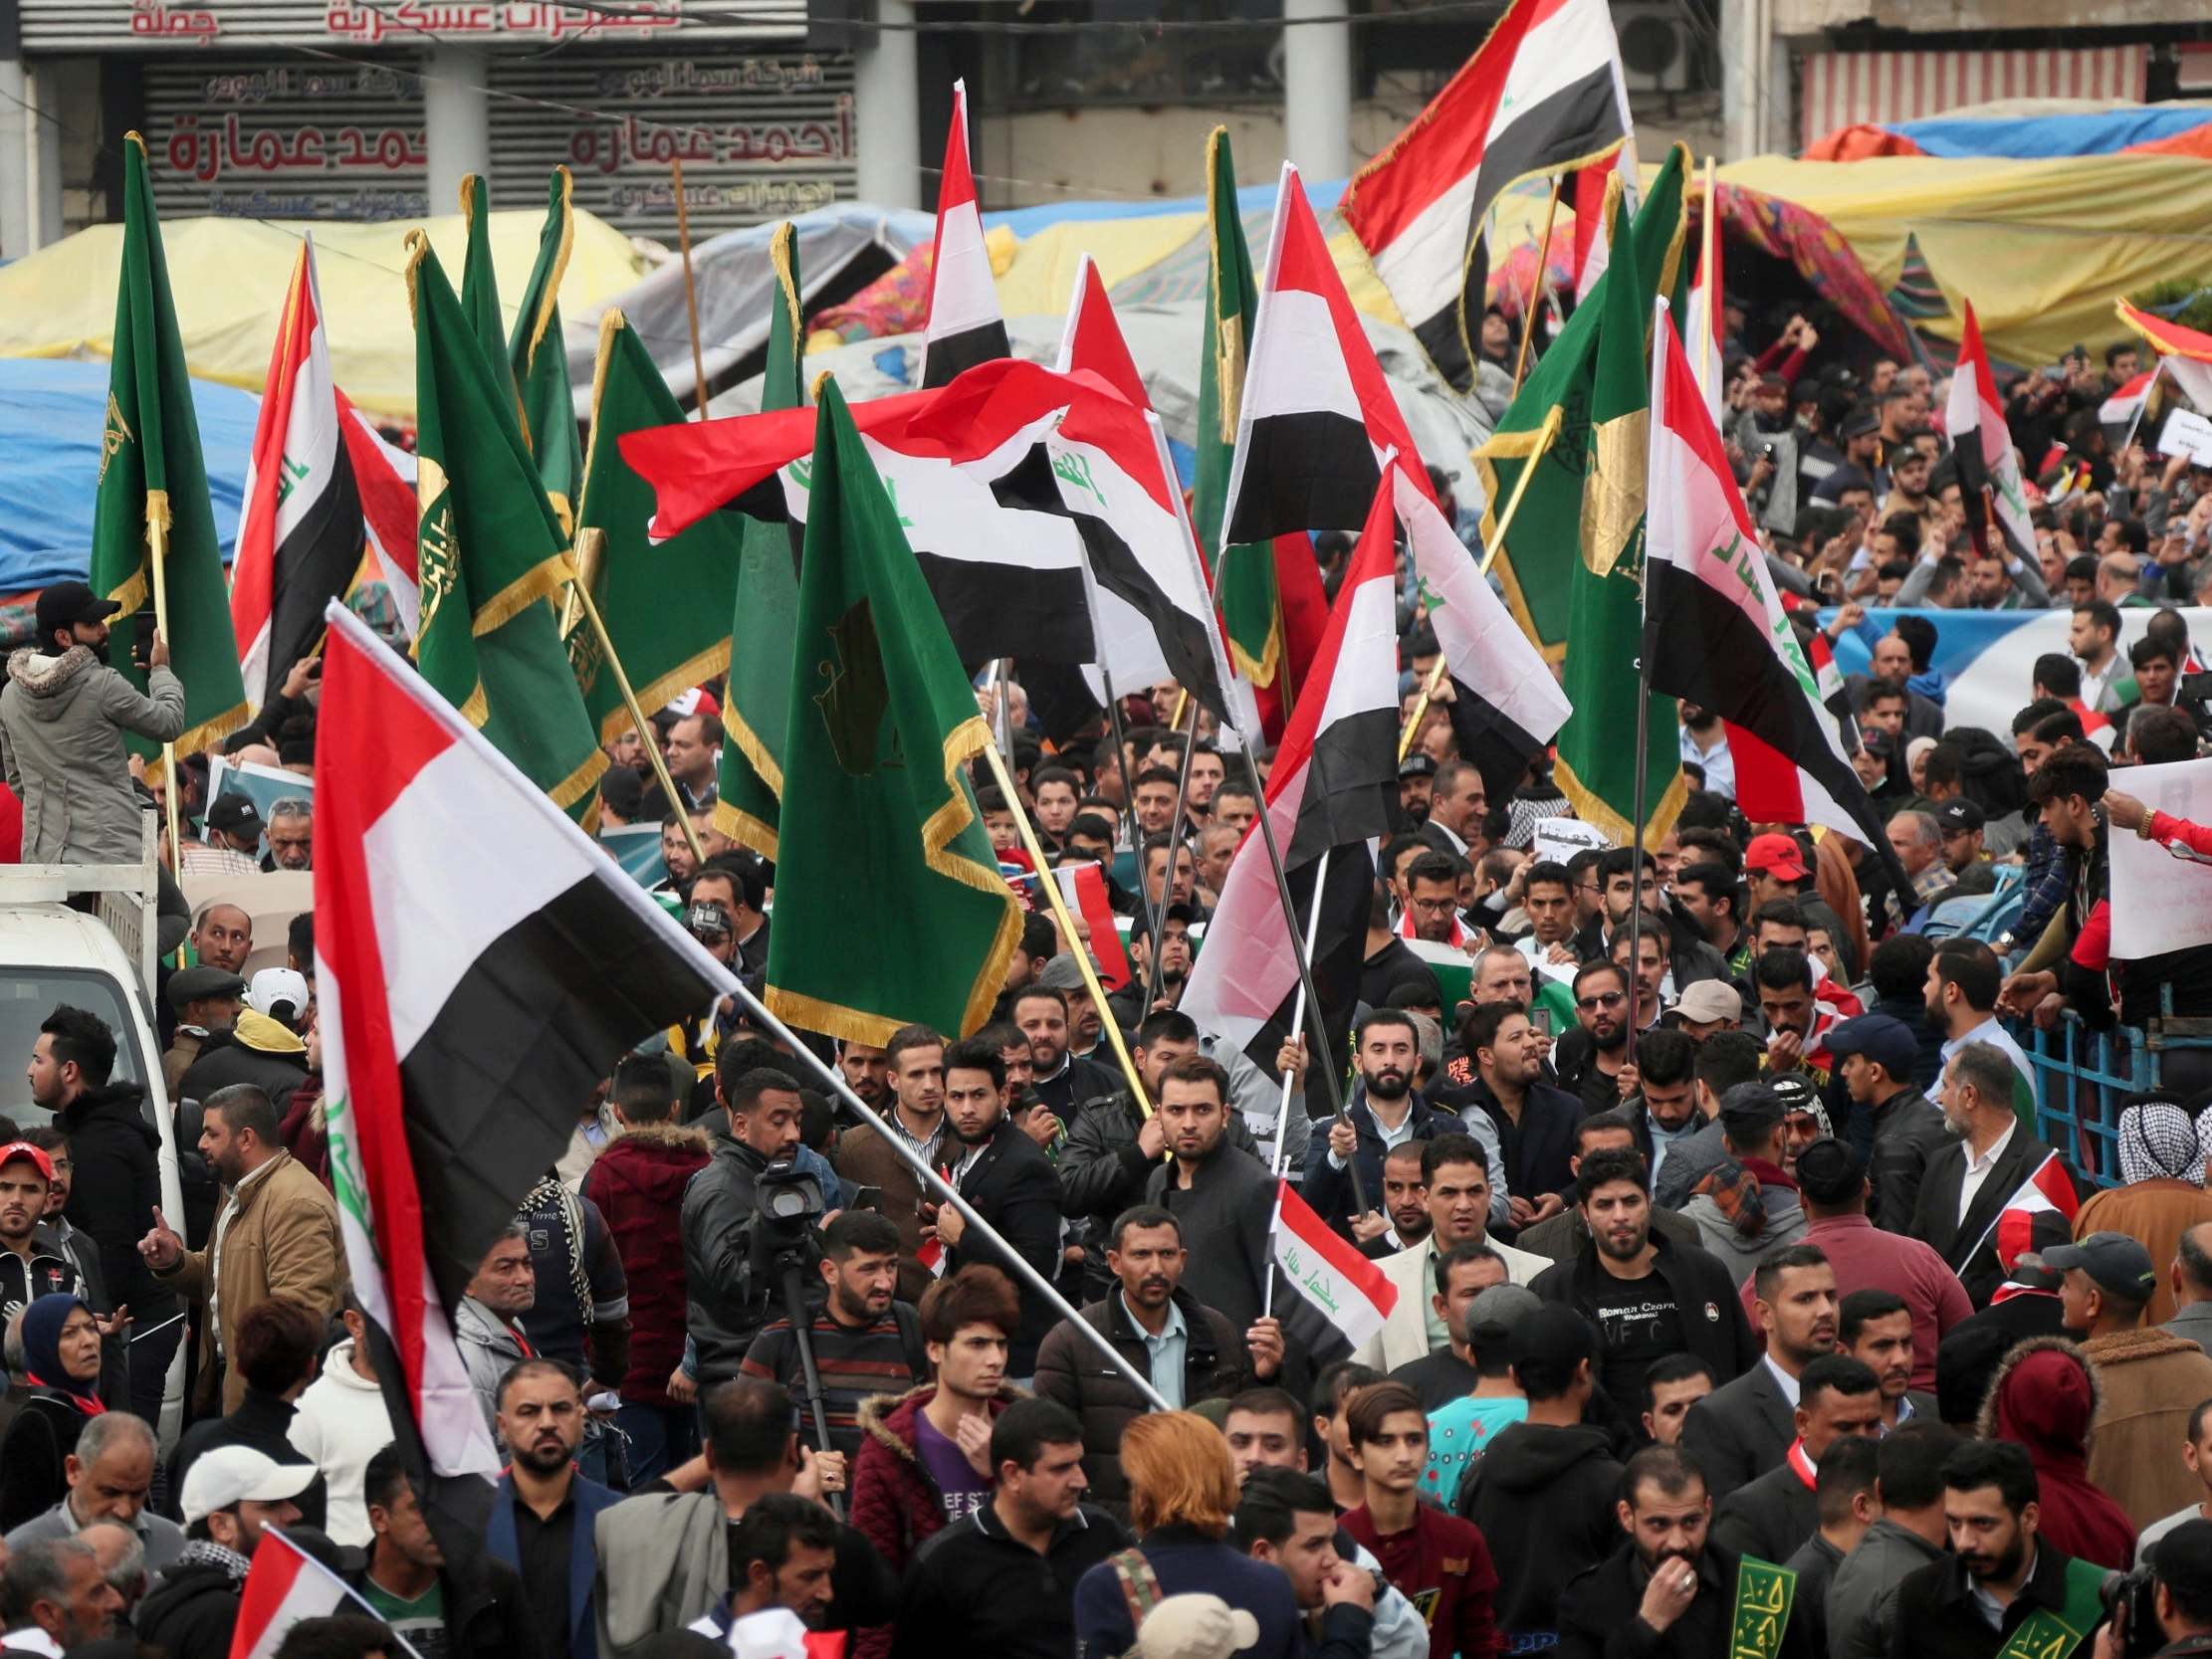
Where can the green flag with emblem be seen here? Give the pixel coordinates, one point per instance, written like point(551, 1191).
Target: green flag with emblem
point(491, 552)
point(153, 489)
point(758, 705)
point(480, 290)
point(539, 360)
point(876, 797)
point(666, 607)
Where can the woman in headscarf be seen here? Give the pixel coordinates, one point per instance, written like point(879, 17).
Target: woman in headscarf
point(60, 1364)
point(2043, 1399)
point(2161, 1167)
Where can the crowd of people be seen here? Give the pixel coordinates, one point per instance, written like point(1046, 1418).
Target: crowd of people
point(1704, 1213)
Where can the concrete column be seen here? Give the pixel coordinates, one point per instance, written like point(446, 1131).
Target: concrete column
point(456, 123)
point(887, 111)
point(42, 147)
point(1317, 89)
point(1747, 35)
point(15, 187)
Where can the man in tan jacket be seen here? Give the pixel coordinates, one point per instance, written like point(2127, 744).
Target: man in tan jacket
point(2151, 1381)
point(277, 1234)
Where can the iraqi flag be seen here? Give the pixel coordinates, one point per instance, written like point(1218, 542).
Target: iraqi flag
point(1988, 466)
point(1507, 704)
point(965, 325)
point(481, 966)
point(2040, 1213)
point(1593, 249)
point(384, 474)
point(1346, 1289)
point(1714, 632)
point(1317, 416)
point(1133, 534)
point(1083, 888)
point(1705, 328)
point(1331, 790)
point(300, 531)
point(1541, 94)
point(2184, 354)
point(285, 1585)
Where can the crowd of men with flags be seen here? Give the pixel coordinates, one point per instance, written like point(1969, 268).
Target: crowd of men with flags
point(911, 1039)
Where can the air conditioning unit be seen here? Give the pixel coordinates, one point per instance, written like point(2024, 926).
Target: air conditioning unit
point(1655, 45)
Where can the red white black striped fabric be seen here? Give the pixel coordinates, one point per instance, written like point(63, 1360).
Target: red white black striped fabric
point(2047, 1192)
point(1593, 251)
point(384, 474)
point(1714, 632)
point(1705, 329)
point(1317, 416)
point(1989, 482)
point(480, 965)
point(285, 1585)
point(1543, 92)
point(1507, 704)
point(300, 531)
point(1331, 790)
point(965, 325)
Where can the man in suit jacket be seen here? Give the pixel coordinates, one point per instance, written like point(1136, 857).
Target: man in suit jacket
point(1745, 1428)
point(542, 1498)
point(1773, 1515)
point(994, 1164)
point(1969, 1183)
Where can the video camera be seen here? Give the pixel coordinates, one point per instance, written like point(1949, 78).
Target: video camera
point(2131, 1603)
point(786, 1205)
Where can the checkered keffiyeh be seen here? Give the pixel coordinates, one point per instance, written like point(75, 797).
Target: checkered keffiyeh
point(2157, 1139)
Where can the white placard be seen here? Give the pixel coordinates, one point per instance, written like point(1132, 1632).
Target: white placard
point(2187, 433)
point(2161, 902)
point(1559, 839)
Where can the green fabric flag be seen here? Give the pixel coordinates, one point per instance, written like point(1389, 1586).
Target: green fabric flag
point(1244, 575)
point(1765, 1593)
point(1535, 567)
point(876, 799)
point(480, 291)
point(756, 707)
point(539, 363)
point(666, 608)
point(1595, 768)
point(491, 552)
point(154, 483)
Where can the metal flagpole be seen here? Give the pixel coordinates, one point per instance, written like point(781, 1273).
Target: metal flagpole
point(942, 1189)
point(1298, 1016)
point(1544, 436)
point(1158, 911)
point(157, 549)
point(1642, 733)
point(1536, 285)
point(1127, 791)
point(678, 802)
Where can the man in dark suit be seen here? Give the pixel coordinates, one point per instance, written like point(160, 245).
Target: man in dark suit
point(1773, 1515)
point(1535, 1121)
point(1969, 1183)
point(1457, 804)
point(1005, 1176)
point(1741, 1430)
point(1384, 1100)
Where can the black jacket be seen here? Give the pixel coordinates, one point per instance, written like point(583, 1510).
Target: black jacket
point(1599, 1619)
point(1576, 1057)
point(726, 1303)
point(224, 1061)
point(1543, 1496)
point(1969, 1247)
point(1938, 1617)
point(1330, 1192)
point(191, 1611)
point(1907, 1133)
point(262, 1421)
point(1770, 1516)
point(1715, 1327)
point(1538, 1148)
point(1012, 1186)
point(1740, 1430)
point(1103, 1173)
point(485, 1615)
point(1072, 1371)
point(1224, 1218)
point(115, 1192)
point(34, 1474)
point(974, 1591)
point(1081, 1080)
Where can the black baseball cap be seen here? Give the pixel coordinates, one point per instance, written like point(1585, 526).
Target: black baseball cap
point(1418, 765)
point(1830, 1172)
point(235, 815)
point(1885, 1040)
point(65, 605)
point(1555, 1335)
point(1959, 817)
point(2114, 1261)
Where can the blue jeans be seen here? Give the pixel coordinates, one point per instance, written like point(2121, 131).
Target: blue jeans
point(661, 1437)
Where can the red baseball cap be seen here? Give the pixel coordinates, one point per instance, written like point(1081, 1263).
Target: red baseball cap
point(23, 1149)
point(1777, 855)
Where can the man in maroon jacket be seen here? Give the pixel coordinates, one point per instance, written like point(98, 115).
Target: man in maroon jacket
point(638, 1183)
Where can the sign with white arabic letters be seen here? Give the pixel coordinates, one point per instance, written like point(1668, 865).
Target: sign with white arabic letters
point(107, 26)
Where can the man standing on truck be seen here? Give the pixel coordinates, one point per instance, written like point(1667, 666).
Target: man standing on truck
point(63, 715)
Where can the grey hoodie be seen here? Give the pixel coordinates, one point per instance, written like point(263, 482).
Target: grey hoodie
point(62, 724)
point(1739, 1252)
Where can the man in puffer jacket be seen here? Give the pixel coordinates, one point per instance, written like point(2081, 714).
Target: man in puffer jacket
point(256, 1050)
point(63, 715)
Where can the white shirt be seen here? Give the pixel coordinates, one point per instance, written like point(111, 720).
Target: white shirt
point(1977, 1168)
point(31, 1639)
point(1782, 1379)
point(1720, 762)
point(215, 1250)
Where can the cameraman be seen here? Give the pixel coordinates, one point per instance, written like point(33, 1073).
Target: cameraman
point(722, 912)
point(728, 1297)
point(865, 1343)
point(2181, 1567)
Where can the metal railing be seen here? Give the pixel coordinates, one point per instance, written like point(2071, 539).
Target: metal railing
point(2081, 1077)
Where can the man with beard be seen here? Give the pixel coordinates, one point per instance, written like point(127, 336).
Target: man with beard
point(1455, 1169)
point(1999, 1576)
point(1190, 1351)
point(1648, 1296)
point(1060, 1078)
point(206, 1002)
point(1746, 1427)
point(865, 1341)
point(1591, 1058)
point(1535, 1121)
point(1404, 1202)
point(544, 1511)
point(1774, 1515)
point(63, 717)
point(1433, 899)
point(1006, 1177)
point(1127, 1006)
point(1665, 1590)
point(1385, 1110)
point(1874, 1327)
point(1221, 1196)
point(914, 1062)
point(1416, 779)
point(868, 1070)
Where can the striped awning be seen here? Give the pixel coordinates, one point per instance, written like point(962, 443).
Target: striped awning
point(1846, 88)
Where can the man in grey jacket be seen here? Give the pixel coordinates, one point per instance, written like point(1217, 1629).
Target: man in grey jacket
point(487, 1326)
point(1863, 1596)
point(63, 715)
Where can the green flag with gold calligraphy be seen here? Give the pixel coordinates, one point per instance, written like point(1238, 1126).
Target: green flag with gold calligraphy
point(876, 797)
point(539, 360)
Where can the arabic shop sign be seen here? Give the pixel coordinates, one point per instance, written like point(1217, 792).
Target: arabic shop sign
point(165, 25)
